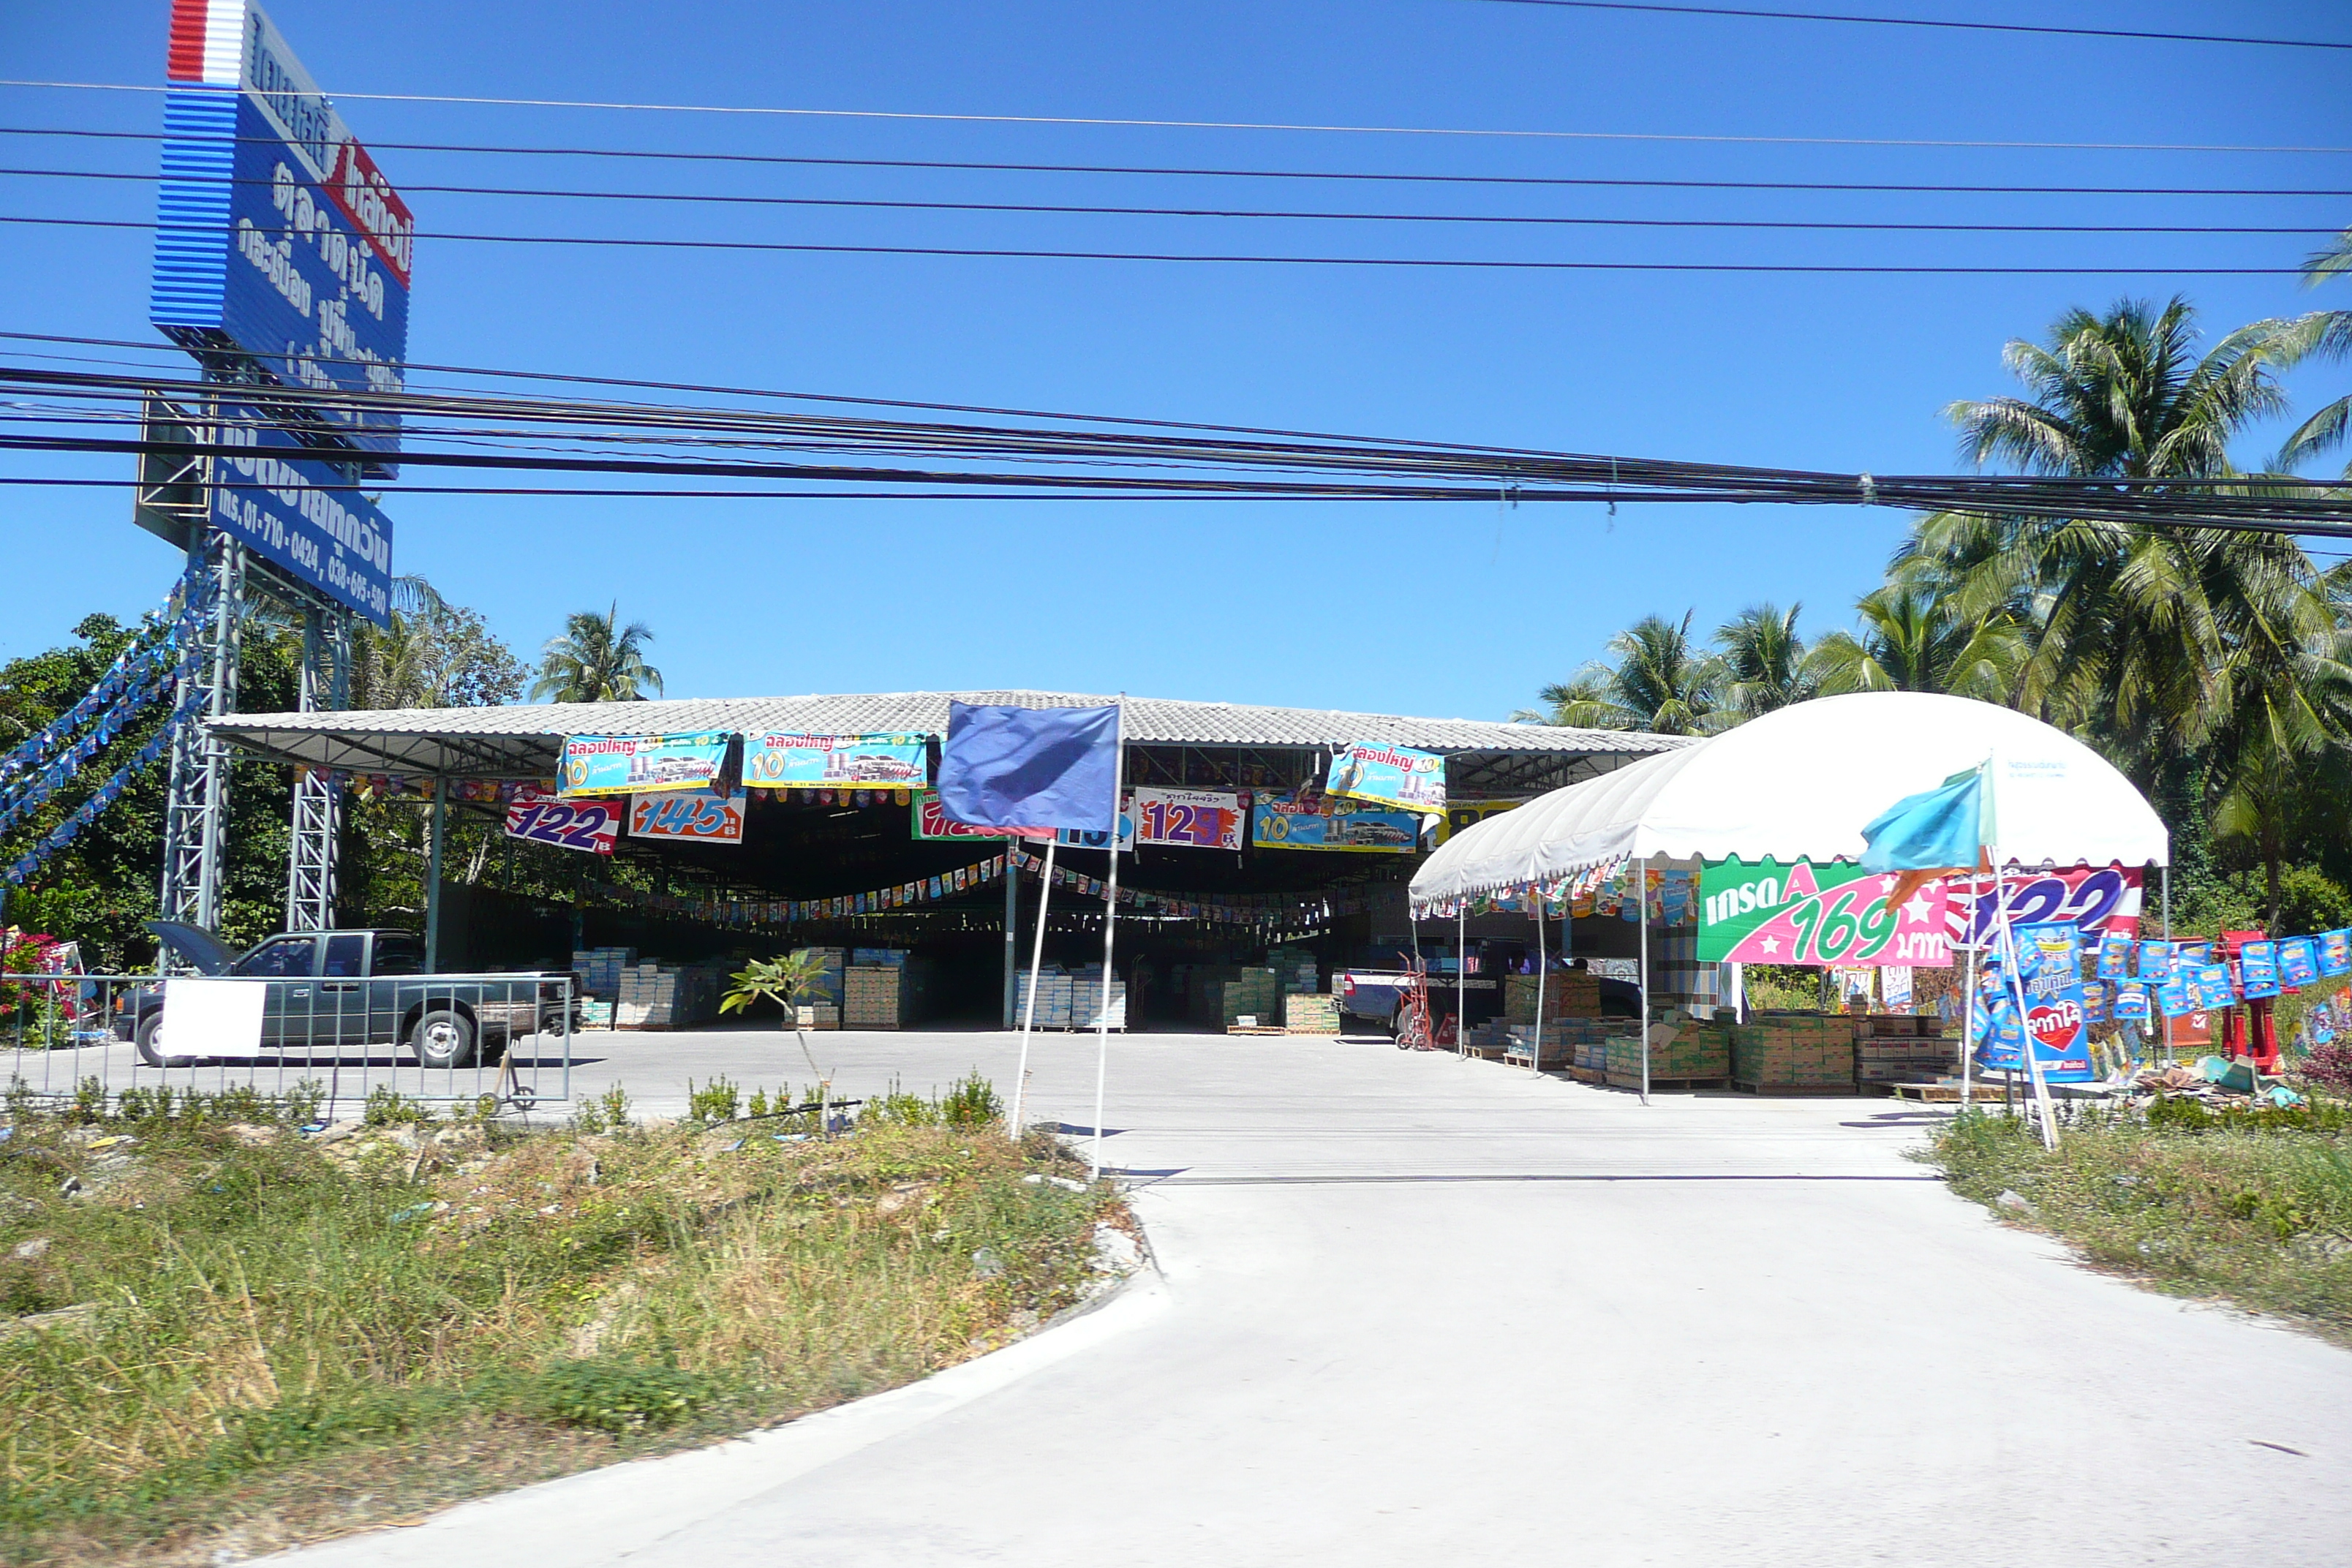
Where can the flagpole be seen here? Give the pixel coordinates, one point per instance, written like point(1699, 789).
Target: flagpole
point(2024, 1027)
point(1968, 1008)
point(1642, 891)
point(1110, 927)
point(1036, 960)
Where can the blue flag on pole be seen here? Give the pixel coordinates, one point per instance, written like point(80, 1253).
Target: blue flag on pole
point(1934, 829)
point(1031, 767)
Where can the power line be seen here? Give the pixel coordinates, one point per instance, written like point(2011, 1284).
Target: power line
point(1211, 173)
point(1111, 123)
point(1923, 22)
point(1088, 210)
point(1445, 263)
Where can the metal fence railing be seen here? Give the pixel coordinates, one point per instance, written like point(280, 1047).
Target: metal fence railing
point(430, 1037)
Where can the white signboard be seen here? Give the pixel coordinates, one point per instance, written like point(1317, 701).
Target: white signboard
point(211, 1017)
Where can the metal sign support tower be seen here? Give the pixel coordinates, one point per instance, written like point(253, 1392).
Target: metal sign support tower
point(318, 800)
point(195, 810)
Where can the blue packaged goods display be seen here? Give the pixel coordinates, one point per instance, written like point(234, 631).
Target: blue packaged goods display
point(2298, 962)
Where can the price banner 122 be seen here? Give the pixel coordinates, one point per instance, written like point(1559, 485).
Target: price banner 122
point(540, 818)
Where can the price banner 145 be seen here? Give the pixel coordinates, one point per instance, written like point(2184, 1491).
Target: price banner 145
point(700, 816)
point(540, 817)
point(1832, 914)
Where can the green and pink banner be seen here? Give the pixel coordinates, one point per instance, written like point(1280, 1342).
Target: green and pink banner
point(1833, 914)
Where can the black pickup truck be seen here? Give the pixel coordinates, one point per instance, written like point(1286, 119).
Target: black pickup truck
point(349, 990)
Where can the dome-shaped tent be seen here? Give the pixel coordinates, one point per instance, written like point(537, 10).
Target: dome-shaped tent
point(1801, 783)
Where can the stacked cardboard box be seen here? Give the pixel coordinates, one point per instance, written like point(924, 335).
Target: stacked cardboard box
point(599, 968)
point(1203, 988)
point(1569, 993)
point(667, 997)
point(1254, 993)
point(595, 1015)
point(1294, 968)
point(884, 995)
point(1899, 1047)
point(817, 1015)
point(1698, 1051)
point(1309, 1013)
point(1087, 1000)
point(1793, 1051)
point(1053, 999)
point(1546, 1045)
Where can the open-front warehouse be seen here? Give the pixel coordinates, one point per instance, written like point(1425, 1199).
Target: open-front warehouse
point(834, 839)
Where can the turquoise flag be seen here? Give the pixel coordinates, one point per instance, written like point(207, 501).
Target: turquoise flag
point(1940, 827)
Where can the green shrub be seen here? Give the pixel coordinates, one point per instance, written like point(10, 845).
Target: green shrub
point(971, 1103)
point(716, 1101)
point(614, 1395)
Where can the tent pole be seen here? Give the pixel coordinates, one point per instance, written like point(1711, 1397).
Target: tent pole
point(432, 875)
point(1461, 978)
point(1535, 1053)
point(1036, 959)
point(2017, 989)
point(1110, 928)
point(1012, 936)
point(2164, 881)
point(1642, 891)
point(1967, 1017)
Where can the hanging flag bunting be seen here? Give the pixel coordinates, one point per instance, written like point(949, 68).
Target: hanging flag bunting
point(1389, 775)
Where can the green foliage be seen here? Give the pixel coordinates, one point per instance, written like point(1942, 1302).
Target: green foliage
point(718, 1100)
point(597, 660)
point(900, 1109)
point(784, 980)
point(606, 1113)
point(971, 1101)
point(387, 1107)
point(611, 1394)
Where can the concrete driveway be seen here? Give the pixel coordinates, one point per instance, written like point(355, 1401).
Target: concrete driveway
point(1414, 1308)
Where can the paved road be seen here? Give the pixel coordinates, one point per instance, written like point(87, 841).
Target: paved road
point(1415, 1309)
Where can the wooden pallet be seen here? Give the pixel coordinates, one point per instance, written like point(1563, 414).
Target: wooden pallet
point(1979, 1092)
point(1588, 1075)
point(1260, 1029)
point(1634, 1081)
point(1310, 1029)
point(1793, 1091)
point(1483, 1052)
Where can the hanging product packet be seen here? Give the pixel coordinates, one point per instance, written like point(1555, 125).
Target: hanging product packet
point(2335, 951)
point(2298, 962)
point(2131, 1001)
point(2258, 969)
point(2212, 988)
point(2155, 961)
point(2192, 955)
point(2097, 1000)
point(2114, 956)
point(2174, 997)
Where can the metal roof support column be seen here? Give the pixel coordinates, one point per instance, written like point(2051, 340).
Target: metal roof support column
point(440, 830)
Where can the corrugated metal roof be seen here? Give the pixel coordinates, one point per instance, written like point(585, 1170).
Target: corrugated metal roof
point(472, 739)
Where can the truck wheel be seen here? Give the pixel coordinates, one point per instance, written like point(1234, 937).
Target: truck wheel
point(149, 1041)
point(443, 1038)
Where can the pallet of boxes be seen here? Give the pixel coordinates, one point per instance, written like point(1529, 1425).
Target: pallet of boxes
point(1685, 1053)
point(1570, 1004)
point(820, 1008)
point(1892, 1048)
point(1252, 1003)
point(1794, 1053)
point(655, 995)
point(883, 988)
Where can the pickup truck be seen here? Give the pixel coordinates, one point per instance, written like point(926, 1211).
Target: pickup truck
point(337, 989)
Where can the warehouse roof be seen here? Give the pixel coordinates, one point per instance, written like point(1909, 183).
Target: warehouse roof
point(523, 740)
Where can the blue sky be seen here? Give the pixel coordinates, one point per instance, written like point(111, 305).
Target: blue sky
point(1430, 610)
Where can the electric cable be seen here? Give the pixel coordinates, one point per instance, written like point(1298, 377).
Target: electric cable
point(1743, 13)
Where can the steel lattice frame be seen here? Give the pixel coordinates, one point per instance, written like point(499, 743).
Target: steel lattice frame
point(317, 798)
point(195, 810)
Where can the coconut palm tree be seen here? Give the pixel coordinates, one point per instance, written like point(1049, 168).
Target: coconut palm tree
point(2129, 630)
point(2324, 334)
point(1660, 682)
point(1911, 640)
point(597, 660)
point(1764, 660)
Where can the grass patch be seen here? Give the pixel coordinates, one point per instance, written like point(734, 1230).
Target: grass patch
point(225, 1335)
point(2252, 1207)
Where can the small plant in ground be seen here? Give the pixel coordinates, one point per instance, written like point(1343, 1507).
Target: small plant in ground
point(899, 1109)
point(387, 1107)
point(608, 1112)
point(716, 1101)
point(89, 1102)
point(610, 1395)
point(971, 1101)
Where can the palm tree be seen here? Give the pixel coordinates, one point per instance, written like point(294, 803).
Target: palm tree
point(1911, 640)
point(597, 660)
point(1660, 682)
point(2129, 628)
point(1764, 660)
point(2326, 334)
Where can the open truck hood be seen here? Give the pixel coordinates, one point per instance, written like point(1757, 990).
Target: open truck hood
point(198, 946)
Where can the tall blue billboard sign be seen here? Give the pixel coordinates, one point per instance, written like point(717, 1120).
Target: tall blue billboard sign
point(276, 233)
point(303, 516)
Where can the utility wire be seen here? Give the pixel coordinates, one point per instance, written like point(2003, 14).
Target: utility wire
point(1083, 210)
point(1442, 263)
point(1109, 121)
point(1924, 22)
point(1211, 173)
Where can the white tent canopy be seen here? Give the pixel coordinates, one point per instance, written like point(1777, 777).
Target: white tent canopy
point(1801, 783)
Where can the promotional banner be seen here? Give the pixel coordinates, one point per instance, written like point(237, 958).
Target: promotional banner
point(2298, 962)
point(2050, 969)
point(1832, 915)
point(542, 818)
point(2335, 951)
point(1320, 821)
point(1079, 839)
point(835, 762)
point(642, 764)
point(1463, 814)
point(702, 815)
point(1389, 775)
point(1196, 818)
point(2258, 969)
point(930, 820)
point(2096, 898)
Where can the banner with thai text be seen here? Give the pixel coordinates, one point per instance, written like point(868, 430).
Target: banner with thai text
point(929, 820)
point(1195, 819)
point(1389, 775)
point(642, 764)
point(541, 819)
point(696, 815)
point(777, 761)
point(1322, 822)
point(1833, 915)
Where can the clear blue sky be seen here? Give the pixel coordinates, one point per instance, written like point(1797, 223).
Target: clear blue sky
point(1438, 611)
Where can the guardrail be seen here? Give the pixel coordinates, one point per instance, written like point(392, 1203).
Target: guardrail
point(430, 1037)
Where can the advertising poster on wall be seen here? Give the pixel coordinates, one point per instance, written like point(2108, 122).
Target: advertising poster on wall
point(1194, 818)
point(1081, 838)
point(697, 816)
point(647, 764)
point(2097, 899)
point(1826, 916)
point(1322, 822)
point(928, 819)
point(542, 818)
point(1389, 775)
point(778, 760)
